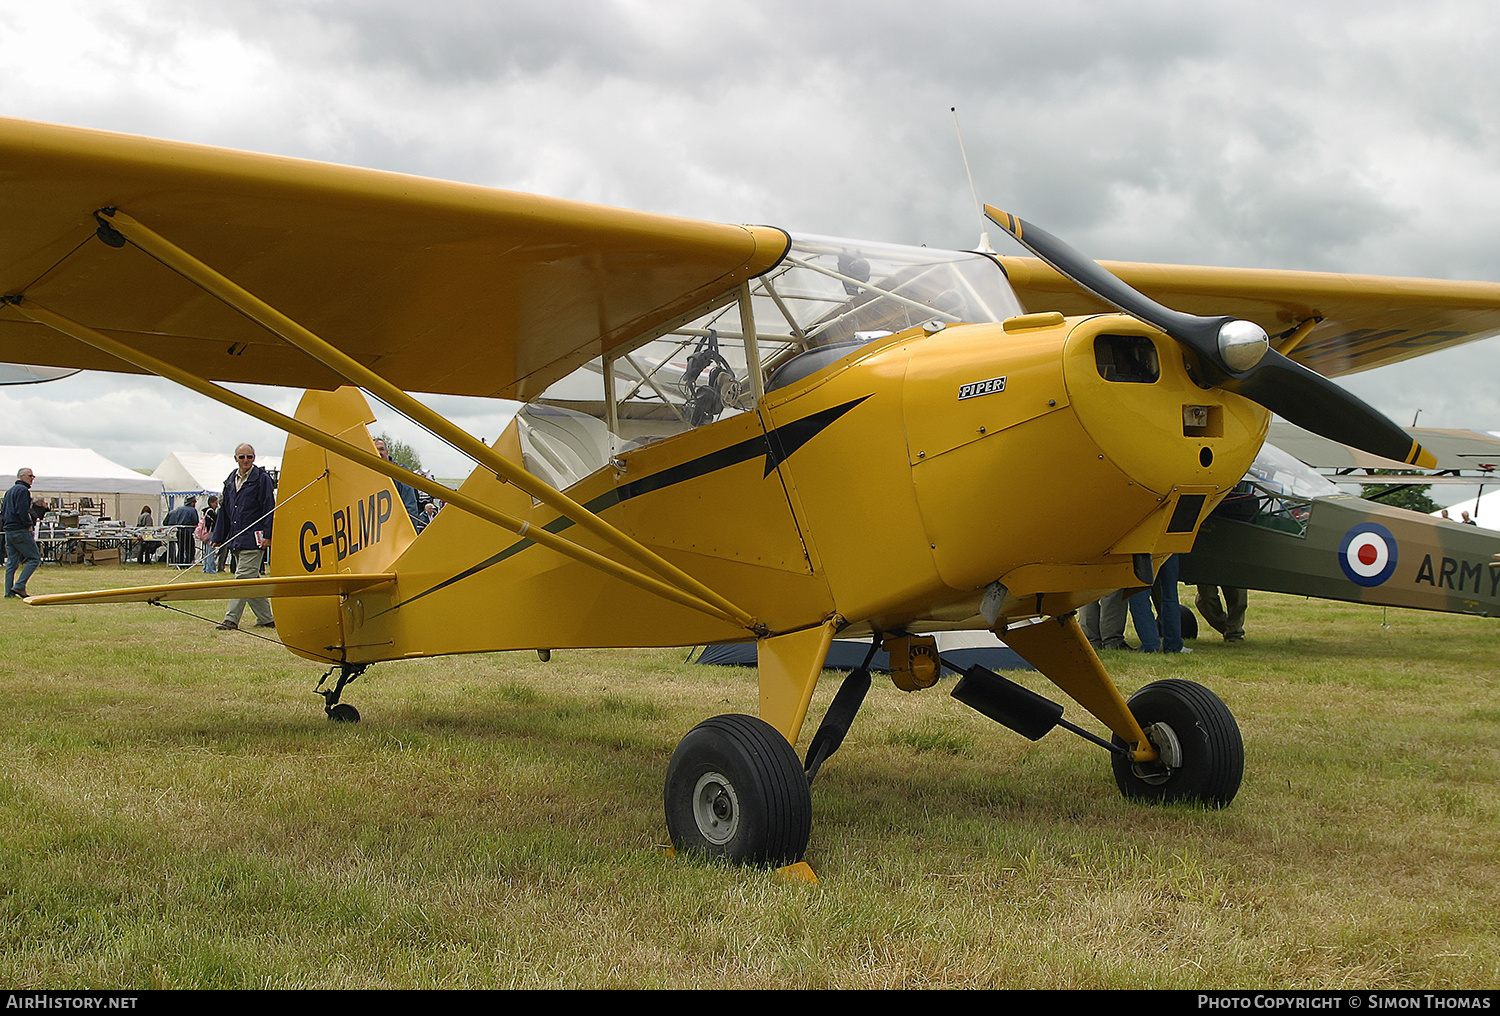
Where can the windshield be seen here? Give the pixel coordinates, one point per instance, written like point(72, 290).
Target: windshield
point(1277, 493)
point(825, 293)
point(831, 291)
point(1281, 473)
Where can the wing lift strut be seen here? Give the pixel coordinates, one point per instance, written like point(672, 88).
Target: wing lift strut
point(650, 572)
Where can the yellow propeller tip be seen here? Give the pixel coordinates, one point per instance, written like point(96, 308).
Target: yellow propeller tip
point(1003, 219)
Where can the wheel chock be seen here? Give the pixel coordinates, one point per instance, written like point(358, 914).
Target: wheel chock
point(799, 872)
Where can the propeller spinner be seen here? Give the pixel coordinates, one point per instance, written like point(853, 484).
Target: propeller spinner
point(1233, 354)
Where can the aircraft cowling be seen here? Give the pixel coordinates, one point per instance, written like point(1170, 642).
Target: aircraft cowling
point(1032, 467)
point(1143, 427)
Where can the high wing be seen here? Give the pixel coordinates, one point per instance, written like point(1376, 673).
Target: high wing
point(440, 287)
point(513, 290)
point(1334, 324)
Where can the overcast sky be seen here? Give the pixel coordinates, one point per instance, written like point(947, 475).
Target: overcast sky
point(1352, 137)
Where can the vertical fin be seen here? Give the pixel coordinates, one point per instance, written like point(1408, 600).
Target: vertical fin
point(333, 516)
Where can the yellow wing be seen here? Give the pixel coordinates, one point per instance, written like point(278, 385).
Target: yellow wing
point(441, 287)
point(1366, 320)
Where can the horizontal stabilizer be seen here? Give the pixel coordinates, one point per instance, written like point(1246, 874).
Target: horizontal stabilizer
point(273, 587)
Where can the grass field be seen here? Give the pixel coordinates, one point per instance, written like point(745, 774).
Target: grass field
point(176, 812)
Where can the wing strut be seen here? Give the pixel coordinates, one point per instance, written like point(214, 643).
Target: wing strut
point(369, 460)
point(201, 275)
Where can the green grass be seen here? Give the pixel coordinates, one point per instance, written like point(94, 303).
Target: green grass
point(175, 811)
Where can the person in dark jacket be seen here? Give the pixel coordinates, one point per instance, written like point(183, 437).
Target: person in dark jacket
point(185, 518)
point(244, 526)
point(17, 515)
point(407, 492)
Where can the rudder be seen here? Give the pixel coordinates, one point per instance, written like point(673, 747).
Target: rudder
point(333, 516)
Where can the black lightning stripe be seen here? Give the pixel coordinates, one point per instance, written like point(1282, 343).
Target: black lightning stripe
point(776, 445)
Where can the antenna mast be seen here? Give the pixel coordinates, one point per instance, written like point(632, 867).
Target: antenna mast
point(985, 247)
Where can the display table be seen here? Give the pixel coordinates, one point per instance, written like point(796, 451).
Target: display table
point(108, 543)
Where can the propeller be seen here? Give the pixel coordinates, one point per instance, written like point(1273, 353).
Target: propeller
point(1235, 355)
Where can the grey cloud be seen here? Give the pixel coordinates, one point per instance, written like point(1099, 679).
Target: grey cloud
point(1320, 136)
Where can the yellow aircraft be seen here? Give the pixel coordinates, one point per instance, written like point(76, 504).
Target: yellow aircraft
point(730, 433)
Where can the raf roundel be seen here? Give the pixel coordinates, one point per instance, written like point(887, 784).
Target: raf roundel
point(1368, 554)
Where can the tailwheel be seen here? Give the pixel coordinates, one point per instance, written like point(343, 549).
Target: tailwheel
point(1201, 756)
point(736, 791)
point(340, 712)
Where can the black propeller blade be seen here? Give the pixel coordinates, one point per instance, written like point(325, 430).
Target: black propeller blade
point(1235, 355)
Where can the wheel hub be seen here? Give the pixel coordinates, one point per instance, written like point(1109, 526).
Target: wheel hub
point(1168, 755)
point(716, 808)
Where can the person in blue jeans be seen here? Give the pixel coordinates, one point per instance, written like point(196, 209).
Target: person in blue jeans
point(21, 551)
point(1167, 607)
point(1144, 621)
point(1159, 631)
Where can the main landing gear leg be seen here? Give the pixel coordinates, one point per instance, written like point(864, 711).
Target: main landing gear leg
point(736, 790)
point(340, 712)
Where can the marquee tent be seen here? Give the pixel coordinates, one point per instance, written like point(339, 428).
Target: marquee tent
point(70, 474)
point(202, 472)
point(1484, 509)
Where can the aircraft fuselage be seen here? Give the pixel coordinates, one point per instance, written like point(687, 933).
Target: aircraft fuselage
point(892, 488)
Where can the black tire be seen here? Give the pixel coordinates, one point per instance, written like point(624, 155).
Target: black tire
point(1210, 756)
point(343, 713)
point(736, 791)
point(1189, 621)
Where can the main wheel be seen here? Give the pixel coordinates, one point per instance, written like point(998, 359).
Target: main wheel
point(343, 713)
point(736, 791)
point(1202, 757)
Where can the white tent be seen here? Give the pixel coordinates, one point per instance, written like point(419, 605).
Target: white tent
point(1484, 510)
point(69, 474)
point(202, 472)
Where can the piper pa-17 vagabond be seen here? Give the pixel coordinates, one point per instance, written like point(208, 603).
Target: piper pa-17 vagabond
point(730, 433)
